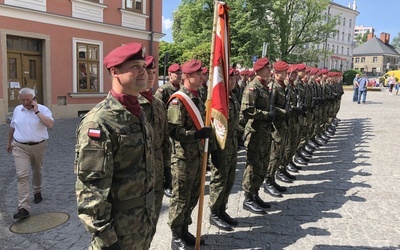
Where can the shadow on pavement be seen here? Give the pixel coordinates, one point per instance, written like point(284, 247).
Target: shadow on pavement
point(334, 166)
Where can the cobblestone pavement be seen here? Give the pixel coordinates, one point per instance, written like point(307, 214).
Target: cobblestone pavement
point(347, 198)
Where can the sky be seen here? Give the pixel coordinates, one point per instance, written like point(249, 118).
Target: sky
point(382, 15)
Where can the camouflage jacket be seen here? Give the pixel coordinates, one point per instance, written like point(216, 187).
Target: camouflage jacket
point(165, 91)
point(233, 122)
point(114, 163)
point(182, 127)
point(279, 100)
point(255, 107)
point(203, 91)
point(155, 113)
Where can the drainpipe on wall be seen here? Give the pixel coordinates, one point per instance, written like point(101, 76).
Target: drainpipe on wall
point(151, 28)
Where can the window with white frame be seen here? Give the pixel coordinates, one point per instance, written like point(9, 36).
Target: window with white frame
point(362, 59)
point(375, 59)
point(348, 51)
point(357, 60)
point(134, 5)
point(350, 23)
point(344, 21)
point(87, 71)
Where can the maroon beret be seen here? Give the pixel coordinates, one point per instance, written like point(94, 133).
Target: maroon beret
point(261, 63)
point(308, 69)
point(174, 68)
point(251, 73)
point(130, 51)
point(313, 71)
point(301, 66)
point(150, 64)
point(323, 71)
point(281, 66)
point(292, 68)
point(191, 66)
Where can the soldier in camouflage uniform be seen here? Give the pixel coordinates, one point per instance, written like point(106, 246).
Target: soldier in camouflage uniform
point(224, 165)
point(154, 110)
point(114, 160)
point(279, 131)
point(186, 156)
point(203, 90)
point(255, 110)
point(175, 77)
point(294, 123)
point(164, 93)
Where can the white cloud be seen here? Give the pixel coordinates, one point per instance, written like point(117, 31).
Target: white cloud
point(166, 23)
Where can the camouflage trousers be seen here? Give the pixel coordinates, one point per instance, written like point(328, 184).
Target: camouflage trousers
point(292, 141)
point(278, 144)
point(159, 181)
point(134, 228)
point(303, 131)
point(258, 147)
point(186, 175)
point(223, 172)
point(317, 119)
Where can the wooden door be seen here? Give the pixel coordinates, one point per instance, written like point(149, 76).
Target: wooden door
point(24, 70)
point(32, 74)
point(14, 76)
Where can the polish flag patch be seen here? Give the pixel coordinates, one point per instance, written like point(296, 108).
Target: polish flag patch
point(94, 133)
point(174, 102)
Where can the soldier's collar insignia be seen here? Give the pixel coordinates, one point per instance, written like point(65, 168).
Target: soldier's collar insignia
point(94, 133)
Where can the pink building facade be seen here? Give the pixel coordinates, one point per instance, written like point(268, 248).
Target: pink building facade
point(57, 48)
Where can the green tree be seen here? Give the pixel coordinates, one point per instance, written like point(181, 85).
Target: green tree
point(396, 41)
point(175, 52)
point(361, 38)
point(288, 26)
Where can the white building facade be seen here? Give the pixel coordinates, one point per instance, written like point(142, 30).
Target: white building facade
point(339, 47)
point(361, 30)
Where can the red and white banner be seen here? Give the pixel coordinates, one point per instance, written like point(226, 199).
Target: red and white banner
point(220, 95)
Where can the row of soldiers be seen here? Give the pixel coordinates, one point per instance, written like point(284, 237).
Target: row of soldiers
point(133, 147)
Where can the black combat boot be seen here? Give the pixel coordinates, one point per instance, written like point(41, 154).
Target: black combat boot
point(167, 182)
point(305, 154)
point(309, 149)
point(251, 205)
point(270, 188)
point(290, 167)
point(189, 238)
point(260, 202)
point(225, 216)
point(282, 177)
point(177, 242)
point(298, 159)
point(217, 221)
point(281, 189)
point(285, 172)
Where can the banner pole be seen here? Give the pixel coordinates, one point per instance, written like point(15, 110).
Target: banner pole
point(207, 123)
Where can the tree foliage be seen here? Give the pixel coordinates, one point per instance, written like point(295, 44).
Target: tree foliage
point(361, 38)
point(291, 29)
point(396, 41)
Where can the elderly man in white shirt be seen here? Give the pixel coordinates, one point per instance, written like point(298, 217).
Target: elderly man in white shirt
point(27, 142)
